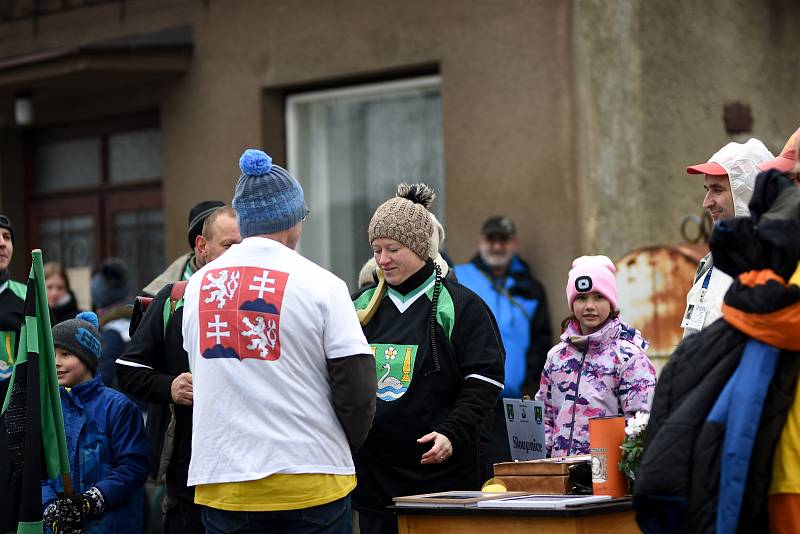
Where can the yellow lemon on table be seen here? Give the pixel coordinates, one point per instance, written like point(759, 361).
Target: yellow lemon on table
point(493, 486)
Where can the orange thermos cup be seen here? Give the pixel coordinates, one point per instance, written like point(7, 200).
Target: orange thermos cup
point(606, 434)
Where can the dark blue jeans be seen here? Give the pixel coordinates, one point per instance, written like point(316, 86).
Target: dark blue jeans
point(333, 518)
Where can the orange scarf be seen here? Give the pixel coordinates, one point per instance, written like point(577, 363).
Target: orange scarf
point(780, 328)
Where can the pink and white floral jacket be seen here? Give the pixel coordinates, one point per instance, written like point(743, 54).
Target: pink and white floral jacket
point(603, 374)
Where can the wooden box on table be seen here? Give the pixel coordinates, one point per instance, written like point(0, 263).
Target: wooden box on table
point(570, 475)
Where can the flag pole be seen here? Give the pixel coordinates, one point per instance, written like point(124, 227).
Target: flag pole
point(51, 380)
point(66, 481)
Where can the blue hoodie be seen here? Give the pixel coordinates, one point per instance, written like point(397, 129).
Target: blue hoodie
point(519, 306)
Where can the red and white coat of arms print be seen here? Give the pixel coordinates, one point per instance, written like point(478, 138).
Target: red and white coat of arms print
point(240, 312)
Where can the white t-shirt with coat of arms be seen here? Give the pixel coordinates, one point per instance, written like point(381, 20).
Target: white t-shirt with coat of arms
point(259, 324)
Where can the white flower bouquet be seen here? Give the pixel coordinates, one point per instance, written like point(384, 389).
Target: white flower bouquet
point(633, 444)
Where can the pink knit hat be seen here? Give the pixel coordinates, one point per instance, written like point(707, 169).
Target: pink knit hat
point(592, 273)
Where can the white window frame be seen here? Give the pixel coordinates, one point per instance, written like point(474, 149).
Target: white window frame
point(357, 91)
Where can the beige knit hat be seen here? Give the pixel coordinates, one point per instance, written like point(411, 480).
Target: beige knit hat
point(405, 218)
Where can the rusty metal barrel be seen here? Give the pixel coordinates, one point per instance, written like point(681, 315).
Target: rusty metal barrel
point(652, 283)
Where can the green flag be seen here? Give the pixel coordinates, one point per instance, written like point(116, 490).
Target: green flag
point(32, 439)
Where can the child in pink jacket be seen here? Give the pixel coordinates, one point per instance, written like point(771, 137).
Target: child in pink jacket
point(599, 368)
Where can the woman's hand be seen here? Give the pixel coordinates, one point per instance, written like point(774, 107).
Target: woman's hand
point(442, 448)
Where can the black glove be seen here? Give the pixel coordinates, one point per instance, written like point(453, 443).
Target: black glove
point(63, 516)
point(91, 503)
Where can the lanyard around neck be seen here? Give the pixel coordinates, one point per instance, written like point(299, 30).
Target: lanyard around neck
point(706, 281)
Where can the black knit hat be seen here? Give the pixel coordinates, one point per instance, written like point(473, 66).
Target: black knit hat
point(5, 222)
point(110, 284)
point(81, 337)
point(198, 215)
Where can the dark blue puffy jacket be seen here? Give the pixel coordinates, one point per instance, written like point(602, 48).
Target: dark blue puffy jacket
point(107, 448)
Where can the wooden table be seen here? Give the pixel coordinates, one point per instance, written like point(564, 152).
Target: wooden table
point(615, 517)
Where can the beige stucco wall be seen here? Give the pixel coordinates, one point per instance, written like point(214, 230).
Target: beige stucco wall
point(652, 79)
point(506, 96)
point(576, 118)
point(505, 100)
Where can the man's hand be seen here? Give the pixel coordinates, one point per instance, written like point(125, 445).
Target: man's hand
point(181, 389)
point(442, 448)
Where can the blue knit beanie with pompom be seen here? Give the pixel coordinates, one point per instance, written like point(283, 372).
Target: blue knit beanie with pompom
point(268, 199)
point(81, 337)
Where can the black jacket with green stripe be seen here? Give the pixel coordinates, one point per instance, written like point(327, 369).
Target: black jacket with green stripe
point(451, 390)
point(12, 314)
point(152, 359)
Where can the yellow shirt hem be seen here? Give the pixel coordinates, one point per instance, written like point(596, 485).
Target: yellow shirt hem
point(784, 487)
point(236, 497)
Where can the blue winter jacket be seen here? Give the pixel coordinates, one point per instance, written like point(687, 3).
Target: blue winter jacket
point(519, 305)
point(108, 449)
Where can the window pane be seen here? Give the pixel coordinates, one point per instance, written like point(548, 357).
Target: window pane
point(68, 164)
point(68, 240)
point(135, 156)
point(350, 150)
point(139, 240)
